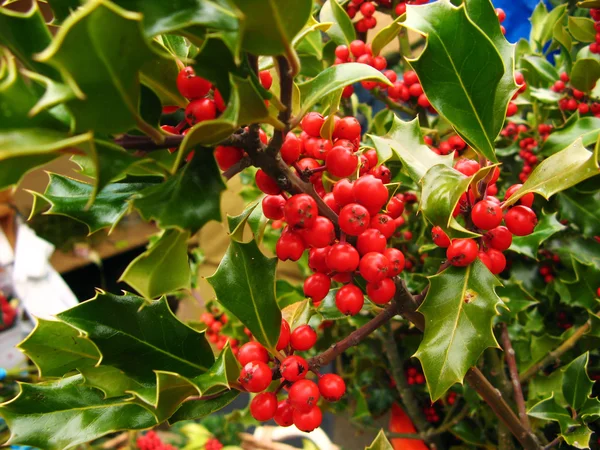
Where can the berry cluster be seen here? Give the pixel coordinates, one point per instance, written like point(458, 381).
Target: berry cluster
point(414, 375)
point(431, 413)
point(408, 90)
point(300, 407)
point(595, 46)
point(8, 313)
point(367, 10)
point(512, 108)
point(361, 53)
point(574, 99)
point(213, 444)
point(452, 144)
point(214, 325)
point(151, 441)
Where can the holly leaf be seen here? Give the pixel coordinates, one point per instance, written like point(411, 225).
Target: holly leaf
point(585, 73)
point(57, 348)
point(540, 71)
point(110, 380)
point(586, 128)
point(99, 51)
point(578, 437)
point(381, 442)
point(288, 294)
point(342, 29)
point(582, 28)
point(327, 308)
point(163, 268)
point(581, 290)
point(42, 415)
point(198, 409)
point(124, 328)
point(159, 75)
point(590, 411)
point(550, 410)
point(515, 298)
point(451, 71)
point(69, 197)
point(582, 210)
point(386, 35)
point(170, 203)
point(245, 285)
point(404, 141)
point(459, 310)
point(559, 172)
point(530, 244)
point(252, 216)
point(332, 79)
point(576, 385)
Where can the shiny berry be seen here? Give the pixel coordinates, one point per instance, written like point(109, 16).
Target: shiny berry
point(342, 192)
point(349, 300)
point(264, 406)
point(284, 335)
point(499, 238)
point(303, 338)
point(190, 85)
point(497, 259)
point(347, 128)
point(266, 184)
point(301, 211)
point(272, 206)
point(371, 240)
point(332, 387)
point(354, 219)
point(289, 246)
point(520, 220)
point(396, 260)
point(293, 368)
point(385, 224)
point(227, 156)
point(284, 416)
point(342, 258)
point(374, 267)
point(371, 193)
point(312, 123)
point(439, 237)
point(382, 291)
point(317, 287)
point(200, 110)
point(309, 420)
point(526, 200)
point(320, 234)
point(304, 395)
point(252, 351)
point(255, 376)
point(462, 252)
point(486, 215)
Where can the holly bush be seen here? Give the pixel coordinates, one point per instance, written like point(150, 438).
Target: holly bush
point(441, 203)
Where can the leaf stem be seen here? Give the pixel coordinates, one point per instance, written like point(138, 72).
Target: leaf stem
point(511, 362)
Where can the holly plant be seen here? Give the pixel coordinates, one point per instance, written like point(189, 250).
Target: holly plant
point(435, 184)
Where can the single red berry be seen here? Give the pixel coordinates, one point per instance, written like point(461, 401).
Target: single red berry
point(342, 258)
point(219, 101)
point(303, 338)
point(347, 128)
point(400, 9)
point(395, 207)
point(320, 234)
point(349, 300)
point(308, 421)
point(371, 193)
point(367, 9)
point(439, 237)
point(498, 238)
point(200, 110)
point(354, 219)
point(289, 246)
point(374, 267)
point(410, 78)
point(272, 206)
point(512, 109)
point(342, 192)
point(317, 148)
point(227, 156)
point(317, 259)
point(293, 368)
point(486, 215)
point(382, 291)
point(498, 260)
point(266, 184)
point(485, 259)
point(341, 162)
point(371, 240)
point(583, 108)
point(190, 85)
point(329, 200)
point(342, 52)
point(291, 148)
point(255, 376)
point(284, 416)
point(380, 63)
point(358, 48)
point(467, 167)
point(264, 406)
point(396, 260)
point(415, 90)
point(284, 335)
point(462, 252)
point(457, 143)
point(501, 16)
point(304, 395)
point(332, 387)
point(266, 79)
point(252, 351)
point(385, 224)
point(317, 287)
point(520, 220)
point(311, 124)
point(526, 200)
point(301, 211)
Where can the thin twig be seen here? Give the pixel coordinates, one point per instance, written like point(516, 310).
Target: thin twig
point(144, 143)
point(553, 443)
point(511, 362)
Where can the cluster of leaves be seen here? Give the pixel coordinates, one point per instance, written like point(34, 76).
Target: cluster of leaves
point(126, 362)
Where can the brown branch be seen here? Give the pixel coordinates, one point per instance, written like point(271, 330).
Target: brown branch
point(555, 354)
point(237, 168)
point(511, 362)
point(144, 143)
point(553, 443)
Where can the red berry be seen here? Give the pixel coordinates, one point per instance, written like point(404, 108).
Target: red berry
point(410, 78)
point(200, 110)
point(272, 206)
point(374, 267)
point(219, 102)
point(317, 148)
point(291, 148)
point(583, 108)
point(520, 220)
point(486, 215)
point(227, 156)
point(462, 252)
point(190, 85)
point(501, 15)
point(342, 258)
point(358, 48)
point(284, 335)
point(415, 89)
point(252, 351)
point(380, 63)
point(367, 9)
point(301, 211)
point(265, 183)
point(284, 416)
point(264, 406)
point(332, 387)
point(395, 207)
point(526, 200)
point(371, 240)
point(309, 420)
point(371, 193)
point(341, 162)
point(293, 368)
point(320, 234)
point(347, 128)
point(382, 173)
point(349, 300)
point(439, 237)
point(266, 79)
point(385, 224)
point(498, 261)
point(382, 291)
point(329, 200)
point(400, 9)
point(342, 52)
point(304, 395)
point(317, 287)
point(396, 260)
point(289, 246)
point(342, 192)
point(311, 124)
point(512, 109)
point(354, 219)
point(255, 376)
point(498, 238)
point(467, 167)
point(317, 259)
point(457, 143)
point(303, 338)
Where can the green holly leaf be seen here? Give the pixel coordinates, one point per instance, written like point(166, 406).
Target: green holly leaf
point(544, 96)
point(540, 71)
point(582, 29)
point(576, 385)
point(171, 204)
point(543, 24)
point(541, 388)
point(459, 310)
point(586, 128)
point(99, 51)
point(254, 217)
point(582, 210)
point(585, 73)
point(342, 29)
point(590, 410)
point(515, 298)
point(124, 328)
point(69, 197)
point(589, 4)
point(581, 290)
point(288, 294)
point(245, 285)
point(159, 75)
point(386, 35)
point(110, 380)
point(381, 442)
point(62, 9)
point(163, 268)
point(332, 79)
point(578, 437)
point(530, 244)
point(585, 250)
point(57, 348)
point(559, 172)
point(198, 409)
point(550, 410)
point(458, 88)
point(404, 141)
point(55, 93)
point(269, 27)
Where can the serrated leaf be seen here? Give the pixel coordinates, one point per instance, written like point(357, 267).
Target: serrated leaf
point(62, 9)
point(589, 4)
point(581, 289)
point(582, 28)
point(57, 348)
point(590, 410)
point(163, 268)
point(381, 442)
point(99, 51)
point(585, 73)
point(539, 15)
point(55, 92)
point(460, 88)
point(586, 128)
point(332, 79)
point(110, 380)
point(404, 141)
point(245, 285)
point(459, 310)
point(582, 210)
point(44, 415)
point(198, 409)
point(69, 197)
point(541, 388)
point(576, 385)
point(342, 29)
point(549, 409)
point(530, 244)
point(585, 250)
point(559, 172)
point(578, 437)
point(124, 328)
point(172, 204)
point(515, 298)
point(254, 217)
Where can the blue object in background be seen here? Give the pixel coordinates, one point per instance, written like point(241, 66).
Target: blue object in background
point(2, 374)
point(518, 12)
